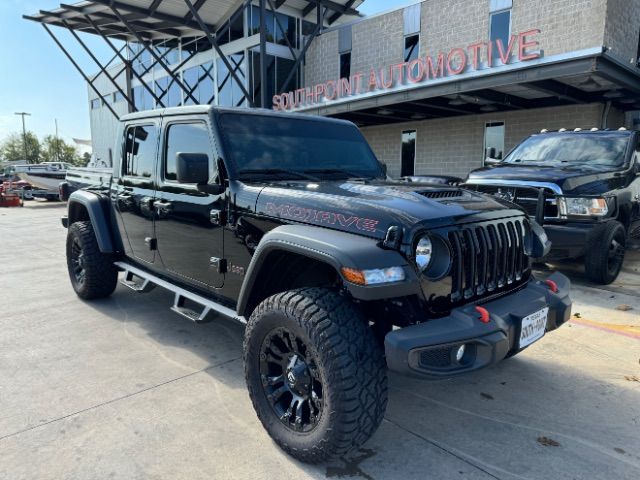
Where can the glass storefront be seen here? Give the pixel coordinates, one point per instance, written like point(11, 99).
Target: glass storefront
point(211, 81)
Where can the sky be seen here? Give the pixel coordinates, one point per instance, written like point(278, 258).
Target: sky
point(36, 77)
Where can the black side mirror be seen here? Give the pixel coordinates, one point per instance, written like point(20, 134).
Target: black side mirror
point(192, 168)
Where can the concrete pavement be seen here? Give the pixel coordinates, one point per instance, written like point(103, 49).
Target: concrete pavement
point(123, 388)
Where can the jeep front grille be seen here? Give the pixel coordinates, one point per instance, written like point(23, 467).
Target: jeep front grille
point(486, 258)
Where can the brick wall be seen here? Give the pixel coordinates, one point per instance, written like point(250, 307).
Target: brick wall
point(566, 25)
point(454, 146)
point(623, 29)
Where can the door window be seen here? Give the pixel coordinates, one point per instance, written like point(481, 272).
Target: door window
point(184, 138)
point(140, 151)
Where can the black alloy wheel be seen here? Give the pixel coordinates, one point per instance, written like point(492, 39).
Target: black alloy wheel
point(605, 252)
point(77, 262)
point(291, 380)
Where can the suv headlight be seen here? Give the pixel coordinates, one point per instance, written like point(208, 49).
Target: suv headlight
point(582, 206)
point(433, 257)
point(424, 251)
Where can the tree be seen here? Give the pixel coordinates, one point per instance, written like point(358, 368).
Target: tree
point(57, 150)
point(13, 148)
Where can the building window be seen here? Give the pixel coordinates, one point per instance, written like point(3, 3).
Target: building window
point(117, 97)
point(411, 47)
point(95, 103)
point(408, 156)
point(638, 53)
point(499, 29)
point(184, 138)
point(494, 140)
point(345, 65)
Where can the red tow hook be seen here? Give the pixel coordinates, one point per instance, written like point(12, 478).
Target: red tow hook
point(553, 286)
point(484, 314)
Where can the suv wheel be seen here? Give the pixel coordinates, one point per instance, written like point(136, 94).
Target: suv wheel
point(315, 373)
point(92, 272)
point(606, 253)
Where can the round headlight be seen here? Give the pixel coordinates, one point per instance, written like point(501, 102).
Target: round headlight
point(424, 250)
point(433, 257)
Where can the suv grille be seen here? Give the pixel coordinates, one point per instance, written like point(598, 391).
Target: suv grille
point(525, 197)
point(486, 258)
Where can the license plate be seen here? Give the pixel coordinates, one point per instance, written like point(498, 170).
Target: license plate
point(533, 327)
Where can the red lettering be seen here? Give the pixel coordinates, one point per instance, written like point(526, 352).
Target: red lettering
point(345, 87)
point(524, 45)
point(504, 56)
point(310, 94)
point(462, 63)
point(439, 70)
point(367, 224)
point(415, 78)
point(490, 53)
point(276, 102)
point(346, 222)
point(388, 83)
point(400, 68)
point(358, 78)
point(334, 90)
point(475, 53)
point(326, 217)
point(318, 91)
point(373, 80)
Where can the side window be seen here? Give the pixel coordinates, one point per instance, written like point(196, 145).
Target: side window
point(140, 152)
point(184, 138)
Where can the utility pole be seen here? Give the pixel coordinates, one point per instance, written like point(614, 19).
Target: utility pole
point(24, 134)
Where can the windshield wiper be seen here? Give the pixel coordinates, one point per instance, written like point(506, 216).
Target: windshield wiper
point(351, 175)
point(275, 171)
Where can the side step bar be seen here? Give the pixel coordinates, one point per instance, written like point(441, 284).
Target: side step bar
point(149, 281)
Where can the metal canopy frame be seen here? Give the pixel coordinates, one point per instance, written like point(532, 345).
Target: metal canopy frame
point(150, 28)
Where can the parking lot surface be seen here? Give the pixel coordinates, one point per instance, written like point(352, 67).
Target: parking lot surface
point(124, 388)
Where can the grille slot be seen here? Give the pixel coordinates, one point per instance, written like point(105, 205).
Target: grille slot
point(435, 194)
point(436, 357)
point(486, 258)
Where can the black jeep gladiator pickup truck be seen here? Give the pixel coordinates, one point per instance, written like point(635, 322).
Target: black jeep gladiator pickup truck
point(583, 186)
point(289, 224)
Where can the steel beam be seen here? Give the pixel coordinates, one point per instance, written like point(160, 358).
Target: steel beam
point(337, 15)
point(207, 31)
point(126, 62)
point(176, 21)
point(263, 56)
point(153, 54)
point(84, 75)
point(103, 68)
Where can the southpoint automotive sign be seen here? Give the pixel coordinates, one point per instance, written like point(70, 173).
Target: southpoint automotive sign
point(421, 70)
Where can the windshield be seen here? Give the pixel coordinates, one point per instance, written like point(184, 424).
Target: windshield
point(600, 150)
point(296, 148)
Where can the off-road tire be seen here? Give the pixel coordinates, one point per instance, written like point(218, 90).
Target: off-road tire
point(349, 361)
point(602, 264)
point(100, 274)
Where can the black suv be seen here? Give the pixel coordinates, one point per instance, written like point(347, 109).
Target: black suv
point(288, 223)
point(582, 185)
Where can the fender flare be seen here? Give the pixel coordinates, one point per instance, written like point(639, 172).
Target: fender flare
point(97, 207)
point(336, 249)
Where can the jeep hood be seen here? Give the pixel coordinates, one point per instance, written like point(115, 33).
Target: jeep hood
point(371, 208)
point(570, 180)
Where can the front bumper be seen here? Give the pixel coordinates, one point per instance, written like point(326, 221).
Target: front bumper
point(429, 349)
point(570, 240)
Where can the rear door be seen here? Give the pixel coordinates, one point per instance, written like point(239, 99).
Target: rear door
point(133, 189)
point(189, 243)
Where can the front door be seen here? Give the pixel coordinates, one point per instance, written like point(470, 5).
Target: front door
point(134, 188)
point(189, 242)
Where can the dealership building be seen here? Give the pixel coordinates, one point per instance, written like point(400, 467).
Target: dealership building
point(433, 85)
